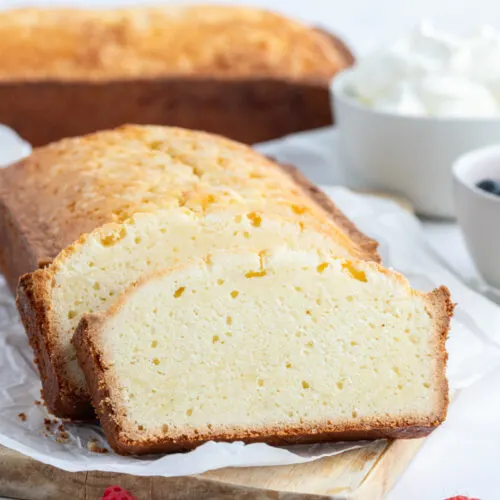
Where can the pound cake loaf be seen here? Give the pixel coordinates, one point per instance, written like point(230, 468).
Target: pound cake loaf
point(68, 72)
point(282, 346)
point(170, 194)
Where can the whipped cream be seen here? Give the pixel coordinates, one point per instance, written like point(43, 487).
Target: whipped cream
point(432, 73)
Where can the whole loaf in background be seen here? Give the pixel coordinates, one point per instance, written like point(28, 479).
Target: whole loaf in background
point(242, 72)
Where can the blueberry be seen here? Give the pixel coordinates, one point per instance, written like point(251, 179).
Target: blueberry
point(490, 186)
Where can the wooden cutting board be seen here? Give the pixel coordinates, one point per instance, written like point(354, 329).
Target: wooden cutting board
point(367, 473)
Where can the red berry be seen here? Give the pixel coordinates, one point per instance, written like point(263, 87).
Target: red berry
point(117, 493)
point(461, 497)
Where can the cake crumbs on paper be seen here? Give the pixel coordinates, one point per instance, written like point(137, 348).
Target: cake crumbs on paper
point(22, 417)
point(62, 437)
point(93, 445)
point(49, 423)
point(59, 432)
point(37, 402)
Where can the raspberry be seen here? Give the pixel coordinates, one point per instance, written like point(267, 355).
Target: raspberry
point(461, 497)
point(117, 493)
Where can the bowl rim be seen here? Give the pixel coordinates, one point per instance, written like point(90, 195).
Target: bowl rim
point(337, 88)
point(468, 160)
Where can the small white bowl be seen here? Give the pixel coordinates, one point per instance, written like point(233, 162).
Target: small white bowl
point(409, 156)
point(478, 211)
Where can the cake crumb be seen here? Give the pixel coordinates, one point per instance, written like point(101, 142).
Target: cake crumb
point(37, 402)
point(62, 437)
point(49, 423)
point(93, 445)
point(22, 417)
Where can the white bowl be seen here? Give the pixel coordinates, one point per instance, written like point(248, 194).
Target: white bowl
point(478, 212)
point(409, 156)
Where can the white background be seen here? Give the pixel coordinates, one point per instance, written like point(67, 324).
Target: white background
point(363, 23)
point(463, 458)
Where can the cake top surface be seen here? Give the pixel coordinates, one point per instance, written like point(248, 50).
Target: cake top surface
point(109, 176)
point(71, 44)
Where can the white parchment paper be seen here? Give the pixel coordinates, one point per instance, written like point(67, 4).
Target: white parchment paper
point(473, 347)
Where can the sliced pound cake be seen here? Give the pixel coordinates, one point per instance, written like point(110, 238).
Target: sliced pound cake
point(172, 194)
point(90, 275)
point(282, 346)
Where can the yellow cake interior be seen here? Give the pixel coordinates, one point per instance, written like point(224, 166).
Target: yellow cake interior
point(256, 340)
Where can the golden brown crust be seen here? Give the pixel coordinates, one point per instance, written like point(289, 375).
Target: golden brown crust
point(31, 302)
point(340, 45)
point(367, 245)
point(91, 365)
point(441, 308)
point(397, 429)
point(100, 45)
point(16, 257)
point(34, 233)
point(28, 242)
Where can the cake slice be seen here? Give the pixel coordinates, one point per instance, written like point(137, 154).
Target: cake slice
point(282, 347)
